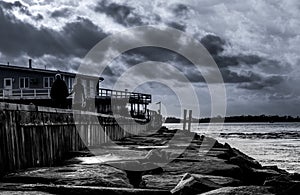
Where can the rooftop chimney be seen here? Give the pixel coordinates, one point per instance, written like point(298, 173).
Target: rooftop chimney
point(30, 63)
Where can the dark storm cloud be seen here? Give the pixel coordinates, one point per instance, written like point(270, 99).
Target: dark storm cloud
point(136, 56)
point(150, 54)
point(226, 61)
point(214, 44)
point(262, 82)
point(180, 9)
point(19, 38)
point(21, 7)
point(122, 14)
point(10, 6)
point(82, 35)
point(38, 17)
point(233, 77)
point(177, 25)
point(273, 80)
point(61, 13)
point(246, 79)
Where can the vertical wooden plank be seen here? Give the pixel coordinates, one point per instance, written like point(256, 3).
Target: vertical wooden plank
point(50, 146)
point(3, 156)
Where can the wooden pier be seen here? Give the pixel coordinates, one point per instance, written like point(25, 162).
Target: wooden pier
point(33, 136)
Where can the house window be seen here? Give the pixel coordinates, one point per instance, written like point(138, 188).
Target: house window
point(8, 83)
point(48, 81)
point(24, 82)
point(70, 83)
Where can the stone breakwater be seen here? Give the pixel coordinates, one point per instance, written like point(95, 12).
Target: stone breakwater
point(155, 164)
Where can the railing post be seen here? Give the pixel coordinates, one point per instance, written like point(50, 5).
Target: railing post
point(21, 93)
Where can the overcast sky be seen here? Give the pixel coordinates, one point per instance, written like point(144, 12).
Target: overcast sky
point(255, 43)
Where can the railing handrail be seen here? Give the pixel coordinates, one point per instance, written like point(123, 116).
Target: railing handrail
point(122, 93)
point(45, 92)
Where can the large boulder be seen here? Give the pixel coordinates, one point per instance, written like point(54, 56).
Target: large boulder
point(283, 184)
point(275, 168)
point(241, 159)
point(168, 182)
point(258, 176)
point(241, 190)
point(77, 174)
point(157, 156)
point(161, 181)
point(220, 180)
point(193, 185)
point(203, 165)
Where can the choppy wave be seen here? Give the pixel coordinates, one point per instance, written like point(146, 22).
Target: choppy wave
point(271, 135)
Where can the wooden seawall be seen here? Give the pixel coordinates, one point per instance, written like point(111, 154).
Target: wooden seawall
point(38, 136)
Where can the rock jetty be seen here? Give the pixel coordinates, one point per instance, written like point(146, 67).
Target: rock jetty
point(165, 162)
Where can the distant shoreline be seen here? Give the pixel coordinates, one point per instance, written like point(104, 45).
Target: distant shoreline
point(233, 122)
point(240, 119)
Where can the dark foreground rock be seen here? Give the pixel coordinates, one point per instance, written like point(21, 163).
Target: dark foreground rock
point(283, 184)
point(190, 184)
point(168, 182)
point(76, 190)
point(165, 162)
point(77, 174)
point(241, 190)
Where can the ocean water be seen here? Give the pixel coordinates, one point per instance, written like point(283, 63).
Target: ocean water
point(269, 143)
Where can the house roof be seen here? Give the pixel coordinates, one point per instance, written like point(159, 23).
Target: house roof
point(22, 68)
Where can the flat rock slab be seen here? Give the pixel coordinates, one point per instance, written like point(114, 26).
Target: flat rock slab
point(13, 188)
point(77, 174)
point(241, 190)
point(168, 182)
point(24, 193)
point(204, 165)
point(163, 181)
point(79, 190)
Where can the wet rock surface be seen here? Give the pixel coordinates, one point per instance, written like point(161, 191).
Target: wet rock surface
point(164, 162)
point(81, 175)
point(244, 190)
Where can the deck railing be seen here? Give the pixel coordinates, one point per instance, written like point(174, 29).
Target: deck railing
point(24, 93)
point(45, 93)
point(103, 92)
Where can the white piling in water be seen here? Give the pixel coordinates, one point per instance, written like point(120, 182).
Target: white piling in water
point(185, 120)
point(190, 120)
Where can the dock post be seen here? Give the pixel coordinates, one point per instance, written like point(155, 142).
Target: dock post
point(190, 120)
point(184, 119)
